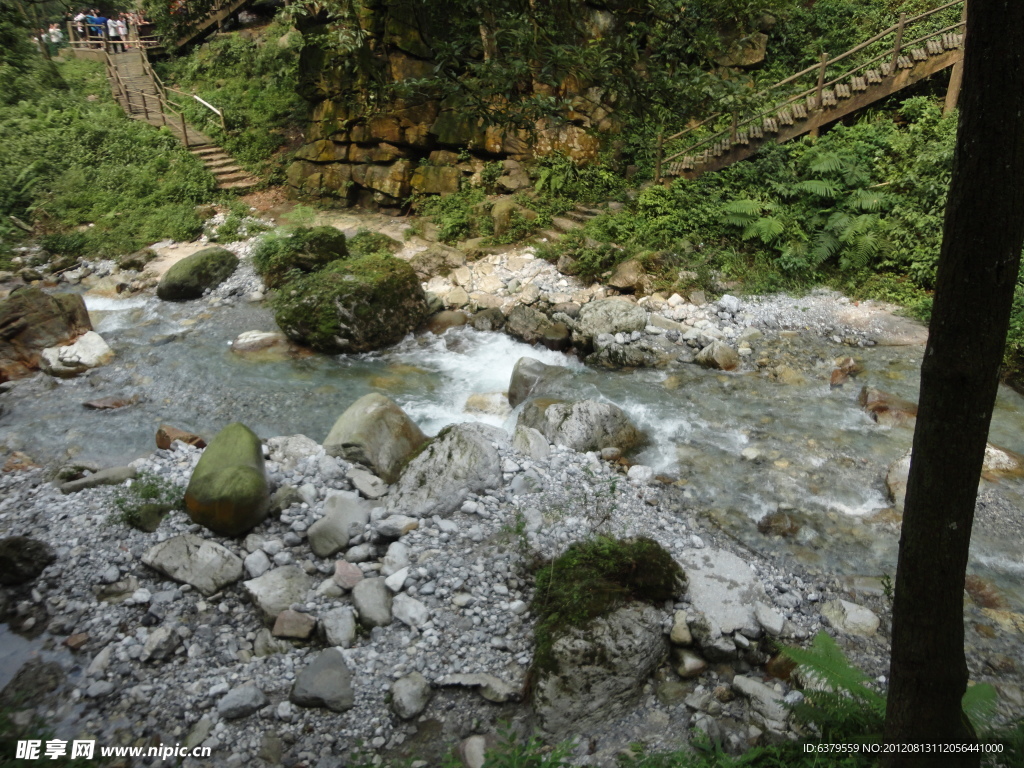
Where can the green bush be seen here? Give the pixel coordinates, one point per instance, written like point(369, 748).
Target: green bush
point(286, 254)
point(67, 163)
point(146, 500)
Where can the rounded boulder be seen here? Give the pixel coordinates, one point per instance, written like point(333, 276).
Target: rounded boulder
point(355, 305)
point(228, 491)
point(191, 276)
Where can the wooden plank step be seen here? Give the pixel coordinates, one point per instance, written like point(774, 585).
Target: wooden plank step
point(842, 91)
point(828, 98)
point(873, 76)
point(756, 131)
point(812, 103)
point(934, 47)
point(785, 117)
point(771, 125)
point(742, 137)
point(904, 62)
point(919, 54)
point(858, 84)
point(799, 111)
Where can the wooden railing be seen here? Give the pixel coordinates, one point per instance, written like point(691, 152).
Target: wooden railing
point(81, 37)
point(211, 13)
point(816, 87)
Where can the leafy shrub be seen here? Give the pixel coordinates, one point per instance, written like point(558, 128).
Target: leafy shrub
point(146, 500)
point(459, 215)
point(366, 242)
point(282, 255)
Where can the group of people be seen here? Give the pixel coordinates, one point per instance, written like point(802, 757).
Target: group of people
point(118, 30)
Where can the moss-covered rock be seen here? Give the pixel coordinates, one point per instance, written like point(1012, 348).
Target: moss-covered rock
point(306, 249)
point(32, 320)
point(191, 276)
point(228, 491)
point(594, 578)
point(356, 305)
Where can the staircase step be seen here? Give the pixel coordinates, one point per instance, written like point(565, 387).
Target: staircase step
point(564, 224)
point(233, 176)
point(213, 161)
point(225, 170)
point(239, 184)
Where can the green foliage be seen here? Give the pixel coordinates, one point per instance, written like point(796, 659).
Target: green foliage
point(458, 216)
point(146, 499)
point(365, 242)
point(838, 702)
point(592, 578)
point(559, 177)
point(254, 83)
point(287, 254)
point(68, 162)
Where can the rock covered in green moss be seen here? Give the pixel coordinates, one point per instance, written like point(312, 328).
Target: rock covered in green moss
point(191, 276)
point(228, 491)
point(599, 628)
point(356, 305)
point(305, 249)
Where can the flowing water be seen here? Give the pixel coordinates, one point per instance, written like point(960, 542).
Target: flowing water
point(740, 446)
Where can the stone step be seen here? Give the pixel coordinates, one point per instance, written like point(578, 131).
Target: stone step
point(246, 184)
point(224, 170)
point(233, 176)
point(217, 161)
point(564, 224)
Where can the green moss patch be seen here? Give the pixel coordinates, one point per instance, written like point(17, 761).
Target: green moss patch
point(283, 256)
point(354, 305)
point(593, 578)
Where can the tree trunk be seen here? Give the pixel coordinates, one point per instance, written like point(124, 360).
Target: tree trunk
point(981, 245)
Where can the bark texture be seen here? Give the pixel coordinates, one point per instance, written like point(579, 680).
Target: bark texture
point(981, 246)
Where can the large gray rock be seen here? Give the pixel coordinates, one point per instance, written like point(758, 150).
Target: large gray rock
point(586, 425)
point(276, 590)
point(410, 695)
point(850, 618)
point(33, 320)
point(345, 516)
point(764, 701)
point(534, 327)
point(532, 378)
point(461, 460)
point(327, 682)
point(375, 432)
point(601, 670)
point(89, 351)
point(372, 600)
point(190, 559)
point(723, 592)
point(194, 274)
point(338, 626)
point(532, 443)
point(608, 316)
point(241, 701)
point(288, 450)
point(718, 355)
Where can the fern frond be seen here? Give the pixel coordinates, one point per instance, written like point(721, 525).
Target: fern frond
point(827, 162)
point(866, 200)
point(766, 229)
point(826, 245)
point(825, 662)
point(819, 187)
point(746, 207)
point(979, 704)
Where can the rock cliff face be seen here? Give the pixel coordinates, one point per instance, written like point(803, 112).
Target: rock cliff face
point(377, 133)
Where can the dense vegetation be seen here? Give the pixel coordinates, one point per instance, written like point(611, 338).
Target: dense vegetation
point(253, 81)
point(72, 164)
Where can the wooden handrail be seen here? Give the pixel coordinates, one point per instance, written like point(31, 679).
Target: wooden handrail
point(822, 81)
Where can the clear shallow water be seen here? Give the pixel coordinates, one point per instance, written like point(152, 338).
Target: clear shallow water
point(819, 457)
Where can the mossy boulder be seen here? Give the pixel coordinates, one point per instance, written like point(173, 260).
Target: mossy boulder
point(355, 305)
point(228, 491)
point(191, 276)
point(306, 249)
point(32, 321)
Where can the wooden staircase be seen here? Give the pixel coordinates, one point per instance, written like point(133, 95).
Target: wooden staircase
point(143, 96)
point(209, 19)
point(877, 68)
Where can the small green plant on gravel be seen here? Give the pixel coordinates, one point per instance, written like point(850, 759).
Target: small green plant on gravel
point(594, 577)
point(146, 500)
